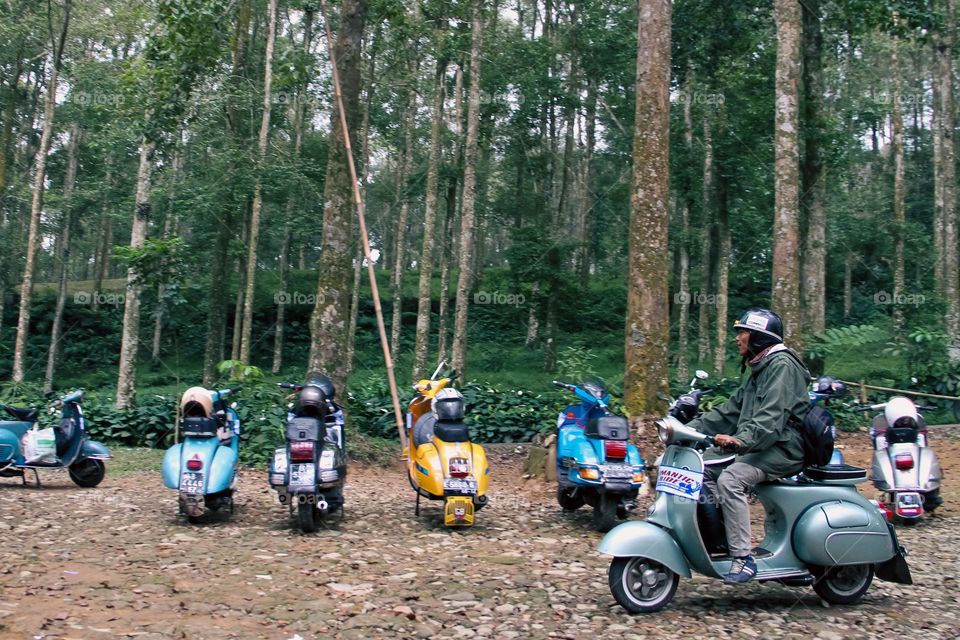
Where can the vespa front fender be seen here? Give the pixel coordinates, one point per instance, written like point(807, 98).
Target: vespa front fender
point(95, 450)
point(642, 539)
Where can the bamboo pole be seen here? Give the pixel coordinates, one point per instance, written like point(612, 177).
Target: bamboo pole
point(358, 201)
point(863, 388)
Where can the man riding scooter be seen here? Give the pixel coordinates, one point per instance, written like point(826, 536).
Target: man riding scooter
point(755, 423)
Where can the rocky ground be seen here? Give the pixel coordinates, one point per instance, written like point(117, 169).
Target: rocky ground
point(117, 562)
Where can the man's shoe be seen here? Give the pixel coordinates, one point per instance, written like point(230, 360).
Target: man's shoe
point(742, 570)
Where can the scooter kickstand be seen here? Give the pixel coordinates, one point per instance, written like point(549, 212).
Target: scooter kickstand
point(416, 511)
point(36, 477)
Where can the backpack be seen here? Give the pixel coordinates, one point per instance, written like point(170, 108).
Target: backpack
point(816, 433)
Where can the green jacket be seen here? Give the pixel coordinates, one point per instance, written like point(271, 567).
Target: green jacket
point(758, 414)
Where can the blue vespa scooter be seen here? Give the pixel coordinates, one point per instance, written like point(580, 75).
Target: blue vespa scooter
point(203, 468)
point(83, 458)
point(596, 464)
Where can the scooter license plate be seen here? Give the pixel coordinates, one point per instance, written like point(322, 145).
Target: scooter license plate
point(191, 482)
point(618, 471)
point(303, 474)
point(459, 485)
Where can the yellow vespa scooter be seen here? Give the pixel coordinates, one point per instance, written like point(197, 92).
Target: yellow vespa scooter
point(444, 464)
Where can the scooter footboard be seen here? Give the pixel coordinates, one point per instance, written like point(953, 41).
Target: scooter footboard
point(642, 539)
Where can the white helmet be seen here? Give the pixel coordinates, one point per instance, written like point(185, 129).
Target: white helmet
point(448, 404)
point(901, 412)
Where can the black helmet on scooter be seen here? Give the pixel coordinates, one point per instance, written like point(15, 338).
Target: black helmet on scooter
point(311, 402)
point(317, 379)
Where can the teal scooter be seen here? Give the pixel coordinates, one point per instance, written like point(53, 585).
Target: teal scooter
point(203, 468)
point(820, 532)
point(83, 458)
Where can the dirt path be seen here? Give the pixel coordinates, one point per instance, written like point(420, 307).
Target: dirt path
point(116, 562)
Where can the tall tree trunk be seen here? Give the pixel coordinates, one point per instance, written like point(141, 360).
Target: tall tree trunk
point(706, 223)
point(899, 193)
point(646, 376)
point(130, 341)
point(449, 225)
point(814, 185)
point(328, 324)
point(36, 206)
point(69, 182)
point(424, 303)
point(723, 271)
point(585, 213)
point(944, 107)
point(684, 201)
point(468, 199)
point(254, 235)
point(169, 229)
point(105, 239)
point(299, 117)
point(847, 284)
point(786, 285)
point(6, 128)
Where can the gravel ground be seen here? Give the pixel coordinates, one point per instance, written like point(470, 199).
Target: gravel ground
point(116, 562)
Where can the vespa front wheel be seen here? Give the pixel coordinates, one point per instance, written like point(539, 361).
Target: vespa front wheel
point(642, 585)
point(570, 498)
point(605, 512)
point(87, 473)
point(307, 517)
point(843, 585)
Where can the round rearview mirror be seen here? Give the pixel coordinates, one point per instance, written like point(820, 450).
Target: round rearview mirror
point(702, 375)
point(233, 405)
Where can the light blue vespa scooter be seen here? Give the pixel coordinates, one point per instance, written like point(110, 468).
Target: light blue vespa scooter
point(819, 531)
point(203, 468)
point(83, 458)
point(596, 464)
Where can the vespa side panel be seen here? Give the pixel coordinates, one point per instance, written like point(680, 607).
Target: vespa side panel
point(95, 450)
point(171, 467)
point(223, 467)
point(202, 449)
point(929, 470)
point(842, 532)
point(881, 471)
point(642, 539)
point(480, 468)
point(426, 470)
point(10, 436)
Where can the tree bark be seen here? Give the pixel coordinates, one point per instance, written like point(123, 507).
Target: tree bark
point(723, 272)
point(69, 182)
point(130, 341)
point(299, 116)
point(424, 303)
point(646, 374)
point(36, 206)
point(328, 324)
point(706, 223)
point(254, 235)
point(944, 108)
point(786, 285)
point(105, 240)
point(684, 201)
point(814, 184)
point(169, 229)
point(847, 285)
point(899, 193)
point(468, 199)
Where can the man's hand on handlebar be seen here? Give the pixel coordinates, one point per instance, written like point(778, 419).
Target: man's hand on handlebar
point(727, 442)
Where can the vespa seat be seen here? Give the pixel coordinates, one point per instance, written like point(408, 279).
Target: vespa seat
point(452, 431)
point(836, 474)
point(25, 415)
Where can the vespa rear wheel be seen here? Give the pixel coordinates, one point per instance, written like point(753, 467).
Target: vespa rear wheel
point(845, 584)
point(605, 512)
point(570, 498)
point(307, 517)
point(87, 473)
point(642, 585)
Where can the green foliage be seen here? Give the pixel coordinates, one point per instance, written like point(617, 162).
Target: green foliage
point(238, 371)
point(575, 363)
point(156, 262)
point(836, 339)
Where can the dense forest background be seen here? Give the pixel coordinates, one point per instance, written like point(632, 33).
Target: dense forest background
point(173, 204)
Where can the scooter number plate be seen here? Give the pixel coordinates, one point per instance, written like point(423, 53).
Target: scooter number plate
point(303, 474)
point(618, 471)
point(191, 482)
point(460, 486)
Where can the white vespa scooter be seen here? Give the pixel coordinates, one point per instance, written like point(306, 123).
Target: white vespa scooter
point(905, 469)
